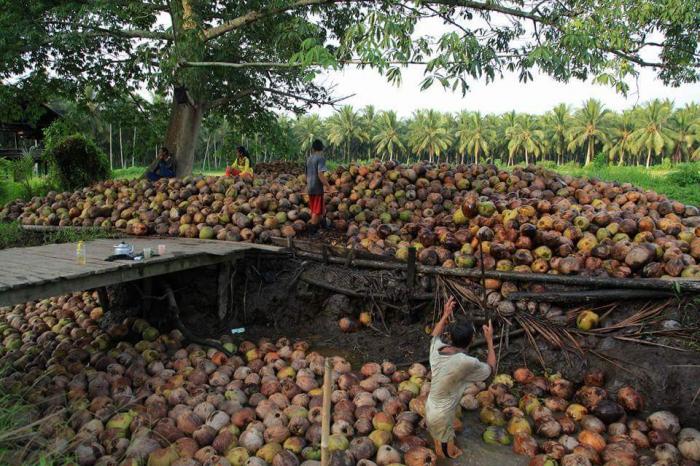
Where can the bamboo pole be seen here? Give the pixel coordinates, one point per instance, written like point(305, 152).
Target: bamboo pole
point(326, 414)
point(673, 285)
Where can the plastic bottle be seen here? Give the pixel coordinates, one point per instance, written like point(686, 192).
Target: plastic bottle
point(81, 253)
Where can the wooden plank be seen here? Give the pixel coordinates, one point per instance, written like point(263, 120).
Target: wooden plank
point(29, 292)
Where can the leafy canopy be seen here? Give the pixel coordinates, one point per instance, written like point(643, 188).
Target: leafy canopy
point(249, 56)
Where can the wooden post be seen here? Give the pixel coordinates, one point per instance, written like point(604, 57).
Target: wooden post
point(104, 298)
point(411, 269)
point(223, 292)
point(326, 414)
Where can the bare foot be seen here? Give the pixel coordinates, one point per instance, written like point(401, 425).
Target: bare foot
point(438, 450)
point(453, 451)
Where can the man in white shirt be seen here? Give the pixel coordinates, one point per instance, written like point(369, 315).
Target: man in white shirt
point(452, 369)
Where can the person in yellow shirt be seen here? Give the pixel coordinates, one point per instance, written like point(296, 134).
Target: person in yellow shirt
point(241, 164)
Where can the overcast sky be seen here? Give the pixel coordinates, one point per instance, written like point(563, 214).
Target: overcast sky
point(504, 95)
point(507, 94)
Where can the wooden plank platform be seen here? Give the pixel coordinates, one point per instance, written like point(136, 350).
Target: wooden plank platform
point(38, 272)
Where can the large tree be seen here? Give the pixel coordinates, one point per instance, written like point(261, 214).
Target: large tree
point(247, 57)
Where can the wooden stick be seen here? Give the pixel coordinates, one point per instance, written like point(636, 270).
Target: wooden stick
point(589, 296)
point(326, 414)
point(676, 284)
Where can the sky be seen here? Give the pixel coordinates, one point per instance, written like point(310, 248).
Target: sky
point(501, 96)
point(368, 87)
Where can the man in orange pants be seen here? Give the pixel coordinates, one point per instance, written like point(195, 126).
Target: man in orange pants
point(316, 185)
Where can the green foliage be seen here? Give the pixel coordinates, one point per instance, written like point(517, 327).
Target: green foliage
point(600, 161)
point(12, 235)
point(686, 175)
point(77, 162)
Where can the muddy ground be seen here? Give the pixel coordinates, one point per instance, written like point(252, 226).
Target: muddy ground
point(271, 300)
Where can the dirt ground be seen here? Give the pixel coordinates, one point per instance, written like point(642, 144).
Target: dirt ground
point(270, 301)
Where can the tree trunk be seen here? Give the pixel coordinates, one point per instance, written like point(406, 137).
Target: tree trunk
point(589, 150)
point(476, 156)
point(527, 161)
point(133, 149)
point(181, 137)
point(648, 157)
point(121, 148)
point(111, 160)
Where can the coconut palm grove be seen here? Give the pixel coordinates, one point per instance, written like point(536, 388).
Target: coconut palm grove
point(210, 255)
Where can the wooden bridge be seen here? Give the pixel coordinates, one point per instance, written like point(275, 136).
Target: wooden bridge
point(33, 273)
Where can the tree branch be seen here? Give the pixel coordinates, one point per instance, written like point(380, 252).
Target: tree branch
point(308, 100)
point(205, 64)
point(224, 100)
point(255, 15)
point(125, 33)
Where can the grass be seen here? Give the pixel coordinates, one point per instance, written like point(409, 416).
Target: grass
point(20, 443)
point(680, 183)
point(9, 190)
point(136, 172)
point(12, 235)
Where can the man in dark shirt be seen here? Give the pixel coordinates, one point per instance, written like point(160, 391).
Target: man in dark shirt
point(316, 184)
point(162, 167)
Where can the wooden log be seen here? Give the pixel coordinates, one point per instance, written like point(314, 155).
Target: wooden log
point(103, 298)
point(305, 277)
point(676, 284)
point(326, 413)
point(590, 295)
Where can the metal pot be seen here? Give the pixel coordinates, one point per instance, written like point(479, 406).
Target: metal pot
point(123, 249)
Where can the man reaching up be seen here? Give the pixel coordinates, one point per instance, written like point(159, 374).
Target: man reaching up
point(452, 369)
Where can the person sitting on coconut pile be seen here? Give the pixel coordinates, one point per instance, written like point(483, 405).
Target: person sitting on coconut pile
point(241, 165)
point(316, 185)
point(162, 167)
point(452, 369)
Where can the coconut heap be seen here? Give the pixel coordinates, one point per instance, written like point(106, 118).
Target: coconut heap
point(130, 395)
point(527, 220)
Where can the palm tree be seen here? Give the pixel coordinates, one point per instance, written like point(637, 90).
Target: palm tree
point(429, 133)
point(588, 127)
point(557, 123)
point(653, 133)
point(369, 121)
point(620, 141)
point(685, 127)
point(527, 137)
point(387, 140)
point(306, 129)
point(473, 135)
point(508, 123)
point(345, 128)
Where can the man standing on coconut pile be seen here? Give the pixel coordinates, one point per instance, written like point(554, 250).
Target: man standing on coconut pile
point(316, 185)
point(452, 369)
